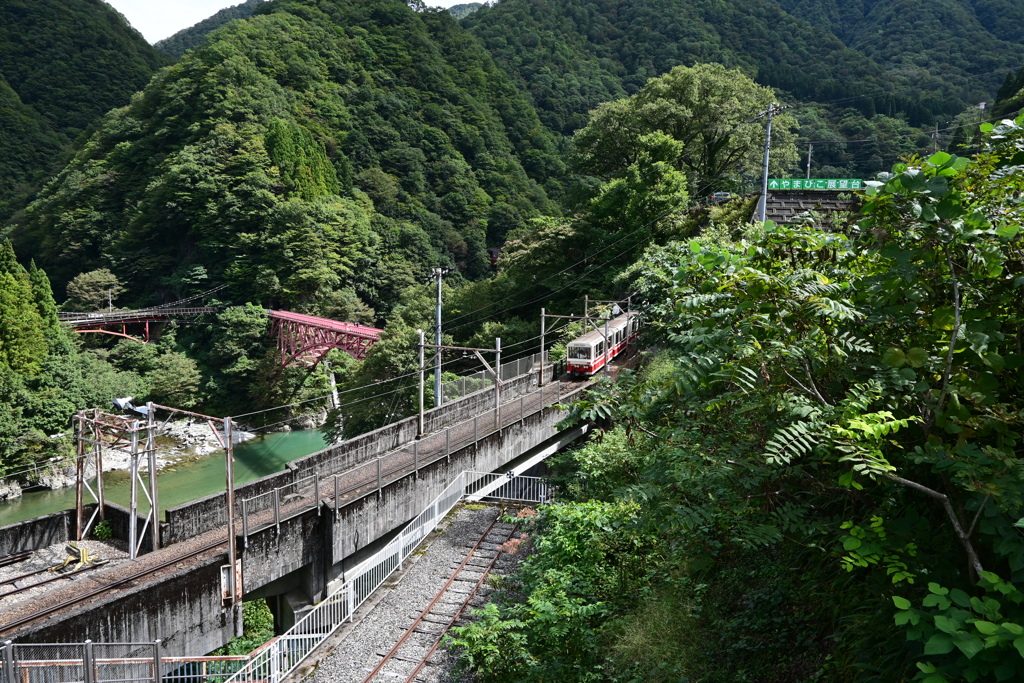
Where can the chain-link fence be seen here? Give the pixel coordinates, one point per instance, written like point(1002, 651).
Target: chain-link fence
point(90, 662)
point(470, 384)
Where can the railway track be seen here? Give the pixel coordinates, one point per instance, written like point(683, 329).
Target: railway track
point(13, 581)
point(106, 586)
point(408, 657)
point(15, 558)
point(509, 413)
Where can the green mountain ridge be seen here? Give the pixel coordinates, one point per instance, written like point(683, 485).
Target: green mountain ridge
point(194, 36)
point(62, 66)
point(454, 140)
point(947, 51)
point(314, 153)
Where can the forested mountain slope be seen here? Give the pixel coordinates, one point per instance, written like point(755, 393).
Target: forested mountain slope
point(958, 50)
point(193, 36)
point(27, 147)
point(907, 60)
point(65, 63)
point(321, 150)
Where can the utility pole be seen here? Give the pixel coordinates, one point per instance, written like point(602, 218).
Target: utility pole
point(764, 174)
point(438, 273)
point(810, 148)
point(495, 372)
point(423, 367)
point(229, 447)
point(540, 380)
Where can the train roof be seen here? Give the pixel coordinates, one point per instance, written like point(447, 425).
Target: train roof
point(594, 336)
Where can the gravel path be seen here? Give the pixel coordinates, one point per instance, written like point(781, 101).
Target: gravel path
point(352, 653)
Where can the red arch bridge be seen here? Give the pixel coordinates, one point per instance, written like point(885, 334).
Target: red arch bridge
point(301, 339)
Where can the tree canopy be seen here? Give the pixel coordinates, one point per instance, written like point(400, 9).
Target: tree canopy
point(818, 472)
point(713, 112)
point(375, 142)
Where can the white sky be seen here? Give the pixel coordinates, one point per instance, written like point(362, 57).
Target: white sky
point(159, 19)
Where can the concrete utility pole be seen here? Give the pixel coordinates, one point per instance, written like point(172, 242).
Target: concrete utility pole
point(495, 372)
point(229, 472)
point(810, 148)
point(438, 273)
point(540, 380)
point(764, 175)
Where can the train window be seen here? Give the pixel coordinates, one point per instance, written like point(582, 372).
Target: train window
point(578, 352)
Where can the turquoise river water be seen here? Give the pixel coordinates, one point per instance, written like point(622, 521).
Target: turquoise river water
point(179, 483)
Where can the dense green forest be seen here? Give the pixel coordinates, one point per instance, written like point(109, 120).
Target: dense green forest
point(193, 36)
point(63, 64)
point(332, 167)
point(816, 474)
point(322, 155)
point(873, 73)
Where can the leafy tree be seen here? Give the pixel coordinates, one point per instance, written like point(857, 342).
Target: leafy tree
point(22, 339)
point(91, 291)
point(842, 404)
point(707, 108)
point(175, 380)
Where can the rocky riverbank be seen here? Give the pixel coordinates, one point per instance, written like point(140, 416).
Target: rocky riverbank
point(176, 441)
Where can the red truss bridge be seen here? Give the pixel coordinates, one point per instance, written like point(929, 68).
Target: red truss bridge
point(301, 339)
point(306, 339)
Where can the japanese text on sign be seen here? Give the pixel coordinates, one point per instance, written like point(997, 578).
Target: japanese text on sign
point(815, 184)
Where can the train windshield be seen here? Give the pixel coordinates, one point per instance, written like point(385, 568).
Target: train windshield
point(578, 352)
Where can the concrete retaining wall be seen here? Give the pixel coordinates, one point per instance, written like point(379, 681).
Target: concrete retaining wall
point(270, 556)
point(206, 514)
point(119, 519)
point(183, 610)
point(34, 534)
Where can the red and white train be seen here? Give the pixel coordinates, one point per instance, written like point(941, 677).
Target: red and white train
point(587, 355)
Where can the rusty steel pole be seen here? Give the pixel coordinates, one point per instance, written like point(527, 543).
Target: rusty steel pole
point(230, 475)
point(80, 473)
point(151, 454)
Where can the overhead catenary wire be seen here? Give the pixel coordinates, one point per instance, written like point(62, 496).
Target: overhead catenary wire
point(373, 396)
point(560, 272)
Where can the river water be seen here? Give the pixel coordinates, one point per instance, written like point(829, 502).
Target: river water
point(181, 483)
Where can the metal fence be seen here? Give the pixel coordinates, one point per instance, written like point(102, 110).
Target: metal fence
point(278, 660)
point(490, 486)
point(271, 508)
point(470, 384)
point(90, 662)
point(273, 661)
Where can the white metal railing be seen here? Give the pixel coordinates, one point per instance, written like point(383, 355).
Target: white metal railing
point(287, 652)
point(464, 386)
point(270, 663)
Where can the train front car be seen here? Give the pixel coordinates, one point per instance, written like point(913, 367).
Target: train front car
point(587, 354)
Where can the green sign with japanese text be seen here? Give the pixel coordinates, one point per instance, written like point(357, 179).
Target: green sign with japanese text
point(815, 184)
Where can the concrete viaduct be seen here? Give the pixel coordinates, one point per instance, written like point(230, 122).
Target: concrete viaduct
point(294, 538)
